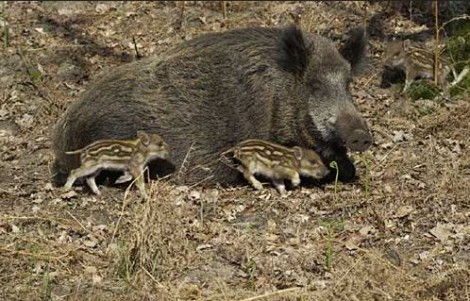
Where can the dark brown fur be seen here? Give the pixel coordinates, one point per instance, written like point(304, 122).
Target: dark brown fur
point(207, 94)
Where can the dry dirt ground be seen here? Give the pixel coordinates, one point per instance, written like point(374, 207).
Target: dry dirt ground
point(400, 232)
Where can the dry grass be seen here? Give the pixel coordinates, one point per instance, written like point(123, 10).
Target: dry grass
point(401, 232)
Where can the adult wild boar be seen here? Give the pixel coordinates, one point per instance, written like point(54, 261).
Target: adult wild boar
point(208, 94)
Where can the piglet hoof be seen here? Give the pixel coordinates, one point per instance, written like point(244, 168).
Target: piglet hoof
point(258, 185)
point(295, 182)
point(282, 190)
point(67, 191)
point(254, 182)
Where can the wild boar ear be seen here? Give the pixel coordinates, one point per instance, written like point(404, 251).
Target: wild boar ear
point(294, 53)
point(297, 152)
point(144, 137)
point(354, 49)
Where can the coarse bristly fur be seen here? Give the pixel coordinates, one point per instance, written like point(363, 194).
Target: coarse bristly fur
point(277, 84)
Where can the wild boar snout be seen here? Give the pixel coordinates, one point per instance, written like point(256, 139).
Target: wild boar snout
point(353, 131)
point(360, 140)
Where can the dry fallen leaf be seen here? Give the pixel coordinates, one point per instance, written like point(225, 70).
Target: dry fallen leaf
point(90, 243)
point(367, 230)
point(353, 242)
point(442, 231)
point(101, 8)
point(37, 201)
point(203, 247)
point(96, 279)
point(14, 229)
point(90, 270)
point(194, 195)
point(424, 255)
point(48, 187)
point(68, 195)
point(404, 211)
point(271, 226)
point(35, 208)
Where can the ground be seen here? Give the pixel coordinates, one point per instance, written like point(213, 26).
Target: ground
point(400, 232)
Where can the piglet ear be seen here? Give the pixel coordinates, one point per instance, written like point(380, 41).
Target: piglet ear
point(144, 137)
point(354, 49)
point(298, 152)
point(406, 44)
point(294, 54)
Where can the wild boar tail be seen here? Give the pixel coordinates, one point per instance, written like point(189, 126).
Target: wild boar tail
point(227, 152)
point(59, 170)
point(59, 174)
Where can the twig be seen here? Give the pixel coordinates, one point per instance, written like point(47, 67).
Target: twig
point(379, 163)
point(185, 158)
point(137, 54)
point(153, 279)
point(340, 280)
point(42, 256)
point(386, 262)
point(200, 182)
point(84, 228)
point(34, 217)
point(436, 44)
point(271, 294)
point(182, 14)
point(459, 77)
point(370, 78)
point(463, 17)
point(124, 204)
point(224, 8)
point(56, 47)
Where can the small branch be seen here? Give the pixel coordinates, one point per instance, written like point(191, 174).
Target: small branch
point(182, 168)
point(153, 279)
point(137, 54)
point(436, 45)
point(463, 17)
point(43, 256)
point(124, 204)
point(272, 294)
point(83, 227)
point(461, 76)
point(223, 4)
point(182, 14)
